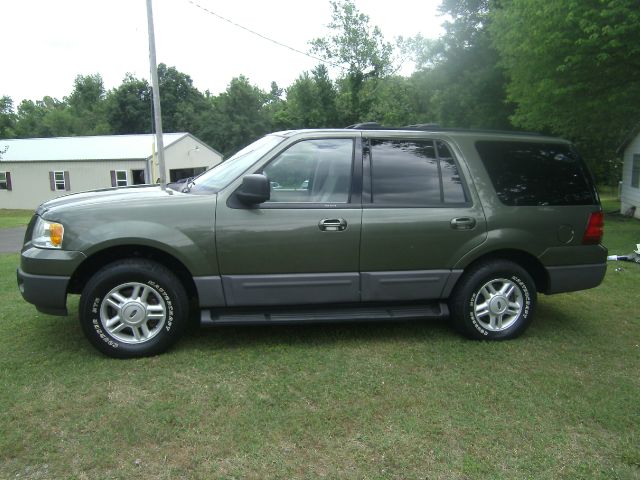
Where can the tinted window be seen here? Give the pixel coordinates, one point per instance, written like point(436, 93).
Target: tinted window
point(528, 173)
point(408, 173)
point(452, 189)
point(317, 171)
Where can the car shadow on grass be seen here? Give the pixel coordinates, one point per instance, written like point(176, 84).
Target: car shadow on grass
point(221, 337)
point(63, 335)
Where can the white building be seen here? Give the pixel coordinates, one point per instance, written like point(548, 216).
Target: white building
point(630, 192)
point(33, 170)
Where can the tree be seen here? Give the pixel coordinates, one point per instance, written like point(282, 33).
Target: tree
point(86, 104)
point(179, 99)
point(128, 107)
point(459, 76)
point(360, 49)
point(238, 117)
point(574, 68)
point(311, 100)
point(48, 117)
point(7, 118)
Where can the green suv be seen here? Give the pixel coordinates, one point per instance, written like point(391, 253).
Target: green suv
point(363, 223)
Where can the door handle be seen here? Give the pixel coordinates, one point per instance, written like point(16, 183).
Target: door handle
point(463, 223)
point(332, 224)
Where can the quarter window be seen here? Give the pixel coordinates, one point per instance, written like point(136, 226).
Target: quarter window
point(414, 173)
point(533, 173)
point(312, 171)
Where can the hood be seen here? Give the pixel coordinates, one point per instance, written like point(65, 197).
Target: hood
point(144, 193)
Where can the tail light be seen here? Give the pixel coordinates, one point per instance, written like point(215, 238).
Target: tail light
point(595, 229)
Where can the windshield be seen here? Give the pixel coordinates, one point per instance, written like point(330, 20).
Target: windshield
point(223, 174)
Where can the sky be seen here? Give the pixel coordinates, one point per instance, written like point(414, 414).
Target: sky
point(47, 43)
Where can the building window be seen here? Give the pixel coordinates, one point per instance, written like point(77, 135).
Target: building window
point(5, 181)
point(635, 171)
point(59, 180)
point(119, 178)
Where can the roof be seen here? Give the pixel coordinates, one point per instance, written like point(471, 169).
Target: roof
point(100, 147)
point(633, 133)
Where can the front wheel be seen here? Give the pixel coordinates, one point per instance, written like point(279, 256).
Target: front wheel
point(495, 300)
point(133, 308)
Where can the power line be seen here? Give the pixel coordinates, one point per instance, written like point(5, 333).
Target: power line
point(263, 36)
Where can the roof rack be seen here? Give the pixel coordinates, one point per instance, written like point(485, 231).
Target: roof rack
point(434, 127)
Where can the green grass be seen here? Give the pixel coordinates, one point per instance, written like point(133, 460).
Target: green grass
point(14, 218)
point(368, 401)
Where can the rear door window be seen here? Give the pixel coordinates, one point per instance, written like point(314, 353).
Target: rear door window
point(414, 173)
point(532, 173)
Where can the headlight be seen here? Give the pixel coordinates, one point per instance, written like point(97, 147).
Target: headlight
point(47, 234)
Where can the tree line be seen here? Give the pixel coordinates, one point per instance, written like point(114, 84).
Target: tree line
point(563, 67)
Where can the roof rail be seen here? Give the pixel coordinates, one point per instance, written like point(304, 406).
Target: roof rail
point(434, 127)
point(366, 126)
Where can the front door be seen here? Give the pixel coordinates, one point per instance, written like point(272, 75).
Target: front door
point(302, 246)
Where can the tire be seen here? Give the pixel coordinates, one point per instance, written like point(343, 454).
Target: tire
point(495, 300)
point(150, 299)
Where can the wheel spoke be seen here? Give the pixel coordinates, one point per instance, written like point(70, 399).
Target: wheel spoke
point(113, 321)
point(119, 328)
point(482, 309)
point(499, 321)
point(135, 293)
point(136, 333)
point(145, 295)
point(120, 299)
point(113, 303)
point(145, 330)
point(507, 289)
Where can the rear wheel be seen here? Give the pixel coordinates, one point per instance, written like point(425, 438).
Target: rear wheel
point(133, 308)
point(495, 300)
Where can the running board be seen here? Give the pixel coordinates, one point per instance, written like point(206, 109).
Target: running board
point(294, 315)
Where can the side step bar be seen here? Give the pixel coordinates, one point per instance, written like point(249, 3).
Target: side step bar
point(293, 315)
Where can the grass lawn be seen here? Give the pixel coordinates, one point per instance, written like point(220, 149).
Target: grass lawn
point(14, 218)
point(367, 401)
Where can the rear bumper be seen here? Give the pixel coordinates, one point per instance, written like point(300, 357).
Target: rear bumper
point(48, 293)
point(570, 278)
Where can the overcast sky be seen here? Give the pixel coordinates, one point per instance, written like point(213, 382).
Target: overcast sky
point(46, 43)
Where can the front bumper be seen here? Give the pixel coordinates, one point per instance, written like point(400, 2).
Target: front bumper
point(43, 277)
point(48, 293)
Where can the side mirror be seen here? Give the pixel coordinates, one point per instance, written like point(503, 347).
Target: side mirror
point(255, 189)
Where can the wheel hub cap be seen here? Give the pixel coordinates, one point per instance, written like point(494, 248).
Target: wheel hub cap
point(498, 304)
point(133, 313)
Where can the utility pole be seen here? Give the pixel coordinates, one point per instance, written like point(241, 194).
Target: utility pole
point(157, 115)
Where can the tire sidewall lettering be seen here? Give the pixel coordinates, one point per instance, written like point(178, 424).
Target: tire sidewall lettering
point(96, 323)
point(526, 310)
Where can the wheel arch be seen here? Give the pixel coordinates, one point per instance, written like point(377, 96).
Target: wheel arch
point(99, 259)
point(529, 262)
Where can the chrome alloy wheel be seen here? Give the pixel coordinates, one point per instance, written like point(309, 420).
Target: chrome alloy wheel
point(133, 313)
point(498, 304)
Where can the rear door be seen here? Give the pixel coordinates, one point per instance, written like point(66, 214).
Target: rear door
point(419, 218)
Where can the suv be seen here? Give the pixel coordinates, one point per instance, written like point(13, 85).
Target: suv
point(363, 223)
